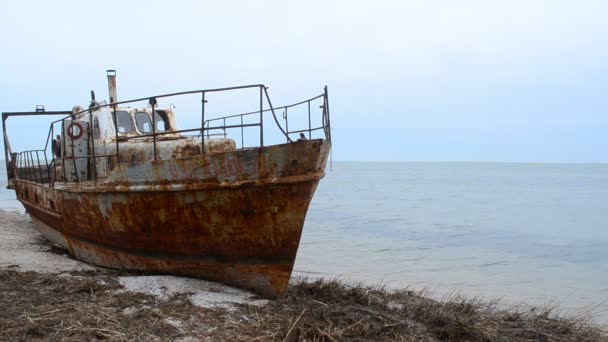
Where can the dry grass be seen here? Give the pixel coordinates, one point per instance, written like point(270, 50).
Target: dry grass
point(89, 306)
point(333, 310)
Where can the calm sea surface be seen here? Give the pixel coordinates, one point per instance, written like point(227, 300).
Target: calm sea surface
point(530, 233)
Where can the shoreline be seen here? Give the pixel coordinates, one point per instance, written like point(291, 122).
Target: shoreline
point(48, 295)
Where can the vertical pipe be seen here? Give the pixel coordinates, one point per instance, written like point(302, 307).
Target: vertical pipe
point(64, 150)
point(92, 141)
point(54, 162)
point(326, 109)
point(153, 103)
point(74, 158)
point(112, 85)
point(203, 101)
point(261, 119)
point(309, 124)
point(116, 133)
point(242, 135)
point(5, 137)
point(286, 124)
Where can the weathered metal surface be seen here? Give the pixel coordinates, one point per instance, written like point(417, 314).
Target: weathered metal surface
point(76, 150)
point(234, 217)
point(129, 190)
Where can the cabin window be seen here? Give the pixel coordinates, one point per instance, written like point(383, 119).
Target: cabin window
point(162, 125)
point(124, 123)
point(144, 125)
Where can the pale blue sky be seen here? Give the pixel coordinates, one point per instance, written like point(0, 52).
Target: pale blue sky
point(425, 80)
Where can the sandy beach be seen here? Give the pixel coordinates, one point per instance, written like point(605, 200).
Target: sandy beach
point(47, 295)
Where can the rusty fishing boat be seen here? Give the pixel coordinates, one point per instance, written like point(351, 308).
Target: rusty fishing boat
point(117, 184)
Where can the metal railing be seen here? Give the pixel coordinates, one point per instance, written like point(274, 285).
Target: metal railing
point(28, 164)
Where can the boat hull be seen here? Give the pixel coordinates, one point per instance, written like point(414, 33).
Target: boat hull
point(239, 225)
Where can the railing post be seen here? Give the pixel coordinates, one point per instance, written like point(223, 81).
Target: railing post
point(309, 123)
point(152, 102)
point(116, 133)
point(5, 139)
point(46, 164)
point(74, 157)
point(203, 101)
point(30, 161)
point(261, 119)
point(326, 110)
point(224, 127)
point(92, 140)
point(274, 116)
point(242, 134)
point(39, 169)
point(53, 155)
point(286, 123)
point(27, 166)
point(17, 162)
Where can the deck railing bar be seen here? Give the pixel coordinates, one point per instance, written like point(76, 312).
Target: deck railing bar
point(274, 114)
point(171, 95)
point(286, 122)
point(113, 105)
point(18, 164)
point(309, 123)
point(187, 131)
point(26, 176)
point(22, 162)
point(92, 141)
point(152, 102)
point(27, 165)
point(39, 168)
point(262, 118)
point(115, 128)
point(47, 139)
point(74, 160)
point(32, 169)
point(306, 130)
point(27, 159)
point(90, 156)
point(269, 109)
point(48, 171)
point(52, 129)
point(203, 101)
point(17, 161)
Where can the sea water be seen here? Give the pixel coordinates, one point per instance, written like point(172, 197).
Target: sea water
point(526, 233)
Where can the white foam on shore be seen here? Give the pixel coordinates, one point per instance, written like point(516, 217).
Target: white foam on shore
point(201, 293)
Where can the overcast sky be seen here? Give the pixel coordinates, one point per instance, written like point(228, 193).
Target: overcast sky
point(408, 80)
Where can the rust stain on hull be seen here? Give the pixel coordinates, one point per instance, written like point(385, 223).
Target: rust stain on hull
point(234, 217)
